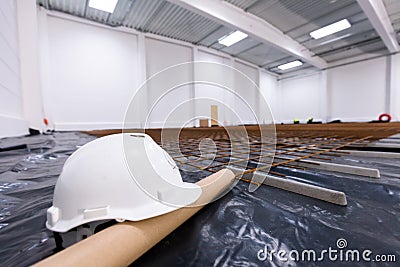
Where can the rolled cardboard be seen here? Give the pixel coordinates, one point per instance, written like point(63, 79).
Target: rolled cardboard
point(123, 243)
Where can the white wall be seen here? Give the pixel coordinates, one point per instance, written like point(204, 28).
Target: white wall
point(269, 90)
point(86, 73)
point(207, 94)
point(90, 72)
point(248, 107)
point(358, 91)
point(91, 75)
point(168, 104)
point(235, 89)
point(355, 93)
point(300, 98)
point(11, 112)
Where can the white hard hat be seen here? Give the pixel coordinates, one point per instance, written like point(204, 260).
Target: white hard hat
point(122, 177)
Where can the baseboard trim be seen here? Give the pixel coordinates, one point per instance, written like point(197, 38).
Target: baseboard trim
point(89, 126)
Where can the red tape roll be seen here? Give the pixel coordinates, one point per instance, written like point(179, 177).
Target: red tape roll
point(385, 117)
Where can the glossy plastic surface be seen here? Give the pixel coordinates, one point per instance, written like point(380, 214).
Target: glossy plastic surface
point(228, 232)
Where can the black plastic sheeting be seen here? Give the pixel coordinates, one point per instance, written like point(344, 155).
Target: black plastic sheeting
point(27, 179)
point(228, 232)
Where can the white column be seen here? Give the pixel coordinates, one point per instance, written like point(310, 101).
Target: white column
point(142, 78)
point(30, 63)
point(280, 99)
point(257, 101)
point(328, 79)
point(395, 87)
point(45, 66)
point(195, 57)
point(324, 104)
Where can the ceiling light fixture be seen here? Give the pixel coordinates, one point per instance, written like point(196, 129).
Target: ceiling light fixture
point(290, 65)
point(232, 38)
point(331, 29)
point(104, 5)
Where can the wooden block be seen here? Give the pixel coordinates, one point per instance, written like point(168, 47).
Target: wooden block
point(214, 115)
point(204, 123)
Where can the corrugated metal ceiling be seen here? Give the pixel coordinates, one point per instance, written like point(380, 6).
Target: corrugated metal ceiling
point(287, 15)
point(393, 8)
point(154, 16)
point(300, 18)
point(305, 16)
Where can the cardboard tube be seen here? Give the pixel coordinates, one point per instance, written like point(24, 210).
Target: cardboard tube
point(123, 243)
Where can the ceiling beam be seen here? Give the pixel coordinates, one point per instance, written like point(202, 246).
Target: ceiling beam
point(379, 18)
point(257, 28)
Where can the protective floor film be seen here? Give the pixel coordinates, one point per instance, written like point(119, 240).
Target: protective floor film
point(228, 232)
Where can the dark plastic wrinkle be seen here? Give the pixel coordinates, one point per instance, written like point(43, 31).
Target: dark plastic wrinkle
point(27, 179)
point(228, 232)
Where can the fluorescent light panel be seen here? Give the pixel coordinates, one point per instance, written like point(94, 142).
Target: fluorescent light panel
point(232, 38)
point(331, 29)
point(104, 5)
point(290, 65)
